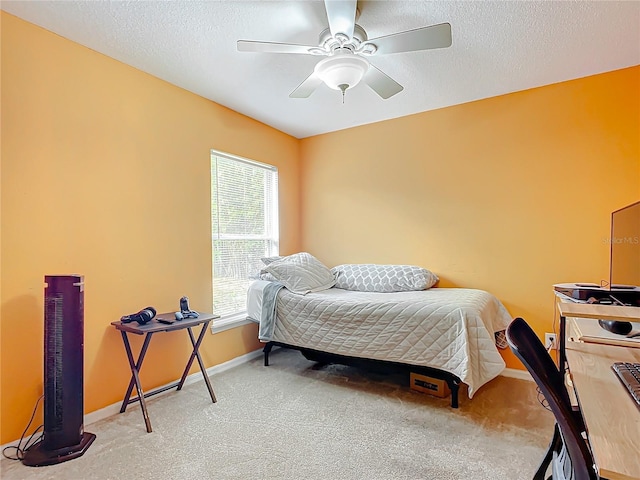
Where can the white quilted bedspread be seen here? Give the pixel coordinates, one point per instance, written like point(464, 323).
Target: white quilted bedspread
point(447, 328)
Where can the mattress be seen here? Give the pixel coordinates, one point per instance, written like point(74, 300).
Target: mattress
point(451, 329)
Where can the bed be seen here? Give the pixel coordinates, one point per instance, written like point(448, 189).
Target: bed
point(446, 333)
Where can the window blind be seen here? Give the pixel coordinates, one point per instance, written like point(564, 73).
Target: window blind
point(244, 220)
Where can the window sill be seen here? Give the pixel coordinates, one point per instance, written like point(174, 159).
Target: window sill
point(227, 323)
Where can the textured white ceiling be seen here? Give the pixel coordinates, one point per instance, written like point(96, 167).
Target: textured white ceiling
point(498, 47)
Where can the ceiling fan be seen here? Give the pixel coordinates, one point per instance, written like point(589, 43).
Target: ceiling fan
point(346, 46)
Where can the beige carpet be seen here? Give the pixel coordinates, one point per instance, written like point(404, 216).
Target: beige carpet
point(292, 420)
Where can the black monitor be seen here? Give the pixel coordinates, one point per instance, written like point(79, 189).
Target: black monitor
point(624, 272)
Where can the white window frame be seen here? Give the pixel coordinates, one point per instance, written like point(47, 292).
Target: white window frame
point(239, 318)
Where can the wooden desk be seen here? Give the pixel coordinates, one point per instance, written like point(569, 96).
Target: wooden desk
point(148, 329)
point(604, 312)
point(588, 330)
point(610, 414)
point(594, 311)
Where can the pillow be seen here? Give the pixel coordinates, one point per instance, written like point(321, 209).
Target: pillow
point(301, 273)
point(266, 276)
point(268, 260)
point(261, 275)
point(383, 278)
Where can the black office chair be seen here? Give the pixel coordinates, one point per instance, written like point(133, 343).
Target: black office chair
point(568, 452)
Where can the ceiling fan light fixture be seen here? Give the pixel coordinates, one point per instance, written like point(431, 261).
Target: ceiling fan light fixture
point(340, 70)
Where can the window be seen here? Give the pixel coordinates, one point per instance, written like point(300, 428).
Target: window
point(244, 224)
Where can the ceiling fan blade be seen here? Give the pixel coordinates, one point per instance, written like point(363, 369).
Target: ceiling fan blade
point(381, 83)
point(425, 38)
point(341, 15)
point(273, 47)
point(307, 87)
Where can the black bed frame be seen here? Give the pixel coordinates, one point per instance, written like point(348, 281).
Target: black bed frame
point(323, 357)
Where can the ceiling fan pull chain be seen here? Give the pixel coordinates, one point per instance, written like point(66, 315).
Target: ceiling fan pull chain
point(343, 87)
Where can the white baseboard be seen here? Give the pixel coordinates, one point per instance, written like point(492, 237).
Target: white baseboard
point(114, 408)
point(515, 373)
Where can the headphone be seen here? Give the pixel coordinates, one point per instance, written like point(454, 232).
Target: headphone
point(143, 316)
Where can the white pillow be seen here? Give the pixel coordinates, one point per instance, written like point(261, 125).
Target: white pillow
point(301, 273)
point(383, 278)
point(262, 275)
point(268, 260)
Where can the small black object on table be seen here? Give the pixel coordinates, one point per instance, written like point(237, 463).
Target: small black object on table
point(148, 329)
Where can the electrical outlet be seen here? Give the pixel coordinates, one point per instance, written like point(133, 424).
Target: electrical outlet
point(550, 341)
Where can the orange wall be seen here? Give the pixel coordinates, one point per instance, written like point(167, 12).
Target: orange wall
point(510, 194)
point(105, 173)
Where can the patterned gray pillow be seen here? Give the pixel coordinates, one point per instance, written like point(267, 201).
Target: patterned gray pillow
point(383, 278)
